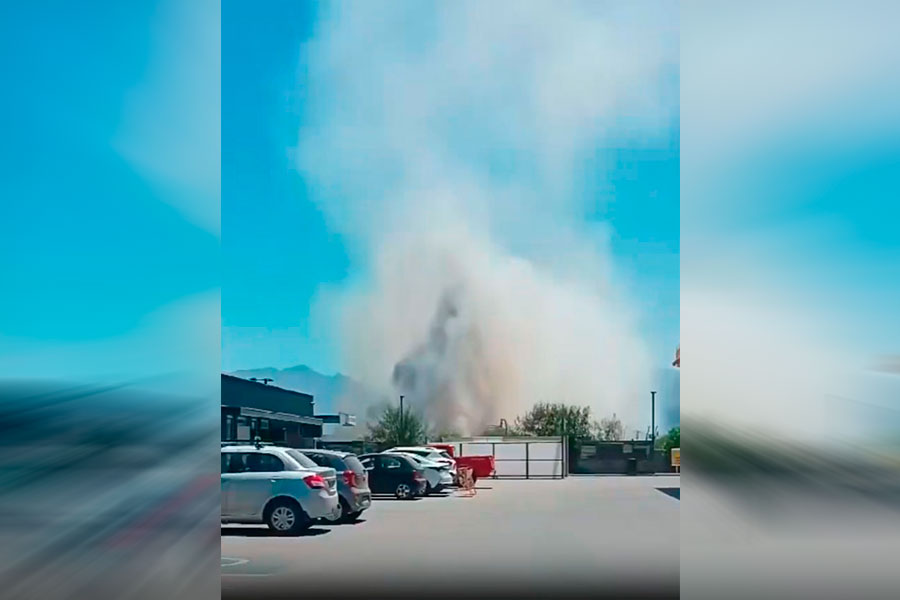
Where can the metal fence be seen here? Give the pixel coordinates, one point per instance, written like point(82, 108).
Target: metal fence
point(520, 458)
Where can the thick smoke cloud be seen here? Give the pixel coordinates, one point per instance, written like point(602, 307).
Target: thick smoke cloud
point(471, 333)
point(446, 143)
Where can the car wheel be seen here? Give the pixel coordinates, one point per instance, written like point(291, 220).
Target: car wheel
point(438, 488)
point(285, 517)
point(403, 492)
point(346, 515)
point(428, 489)
point(474, 478)
point(352, 517)
point(338, 517)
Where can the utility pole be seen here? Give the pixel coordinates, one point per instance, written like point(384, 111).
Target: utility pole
point(401, 418)
point(652, 421)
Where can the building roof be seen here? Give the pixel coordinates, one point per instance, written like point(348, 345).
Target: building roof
point(238, 392)
point(264, 386)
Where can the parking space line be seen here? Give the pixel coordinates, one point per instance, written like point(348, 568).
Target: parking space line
point(235, 561)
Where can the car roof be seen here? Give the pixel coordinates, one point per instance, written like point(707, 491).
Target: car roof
point(409, 454)
point(338, 453)
point(374, 454)
point(249, 448)
point(277, 450)
point(415, 457)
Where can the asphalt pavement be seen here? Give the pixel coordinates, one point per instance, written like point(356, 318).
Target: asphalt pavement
point(583, 535)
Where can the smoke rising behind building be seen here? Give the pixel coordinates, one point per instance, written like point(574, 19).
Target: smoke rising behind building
point(448, 158)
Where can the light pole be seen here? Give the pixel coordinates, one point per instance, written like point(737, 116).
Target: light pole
point(652, 421)
point(401, 418)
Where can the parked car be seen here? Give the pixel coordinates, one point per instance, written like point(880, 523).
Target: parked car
point(433, 454)
point(437, 475)
point(482, 466)
point(394, 474)
point(447, 450)
point(277, 486)
point(428, 453)
point(353, 481)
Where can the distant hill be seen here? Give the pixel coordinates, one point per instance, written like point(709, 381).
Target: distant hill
point(330, 392)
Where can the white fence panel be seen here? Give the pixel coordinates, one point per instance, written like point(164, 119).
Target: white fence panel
point(545, 450)
point(510, 451)
point(511, 468)
point(476, 449)
point(518, 458)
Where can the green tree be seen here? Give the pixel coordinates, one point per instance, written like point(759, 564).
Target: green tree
point(396, 429)
point(610, 429)
point(546, 419)
point(671, 440)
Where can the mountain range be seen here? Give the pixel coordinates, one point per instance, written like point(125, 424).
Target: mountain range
point(331, 393)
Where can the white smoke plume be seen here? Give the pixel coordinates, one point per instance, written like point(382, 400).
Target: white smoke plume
point(445, 142)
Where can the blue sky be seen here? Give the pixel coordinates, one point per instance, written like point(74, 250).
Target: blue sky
point(790, 253)
point(279, 247)
point(94, 239)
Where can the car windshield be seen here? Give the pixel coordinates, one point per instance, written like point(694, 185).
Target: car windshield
point(302, 459)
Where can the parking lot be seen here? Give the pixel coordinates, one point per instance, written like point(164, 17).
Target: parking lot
point(580, 533)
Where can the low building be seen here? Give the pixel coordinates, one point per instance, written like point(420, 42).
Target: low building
point(274, 414)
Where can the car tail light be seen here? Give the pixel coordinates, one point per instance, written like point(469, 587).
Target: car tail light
point(350, 478)
point(315, 481)
point(418, 476)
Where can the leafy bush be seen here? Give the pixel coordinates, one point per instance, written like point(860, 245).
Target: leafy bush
point(396, 429)
point(546, 419)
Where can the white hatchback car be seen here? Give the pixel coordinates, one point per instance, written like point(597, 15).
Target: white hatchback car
point(277, 486)
point(437, 475)
point(431, 454)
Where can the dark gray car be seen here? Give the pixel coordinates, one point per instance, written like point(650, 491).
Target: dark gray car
point(353, 481)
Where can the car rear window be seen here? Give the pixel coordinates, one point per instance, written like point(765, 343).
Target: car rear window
point(302, 459)
point(251, 462)
point(409, 463)
point(330, 460)
point(353, 464)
